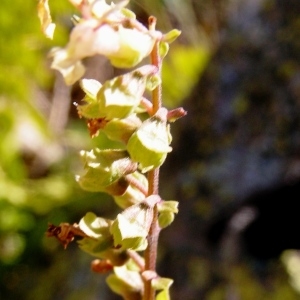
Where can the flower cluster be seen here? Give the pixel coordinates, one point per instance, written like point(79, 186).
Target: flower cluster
point(109, 30)
point(118, 107)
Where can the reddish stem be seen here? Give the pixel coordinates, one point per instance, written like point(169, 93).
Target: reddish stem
point(153, 179)
point(137, 184)
point(137, 259)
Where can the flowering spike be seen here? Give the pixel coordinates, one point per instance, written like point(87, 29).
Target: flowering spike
point(119, 107)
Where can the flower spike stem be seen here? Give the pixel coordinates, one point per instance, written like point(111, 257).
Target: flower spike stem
point(153, 179)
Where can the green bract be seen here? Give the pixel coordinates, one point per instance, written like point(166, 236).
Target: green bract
point(149, 145)
point(104, 168)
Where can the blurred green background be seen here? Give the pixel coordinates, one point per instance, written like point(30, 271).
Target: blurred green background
point(236, 70)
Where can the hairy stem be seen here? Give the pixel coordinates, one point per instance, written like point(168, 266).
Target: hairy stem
point(137, 259)
point(153, 179)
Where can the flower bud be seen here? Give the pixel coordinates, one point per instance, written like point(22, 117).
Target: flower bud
point(116, 98)
point(131, 227)
point(134, 46)
point(101, 266)
point(126, 282)
point(99, 242)
point(104, 169)
point(149, 145)
point(167, 211)
point(124, 47)
point(122, 129)
point(120, 96)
